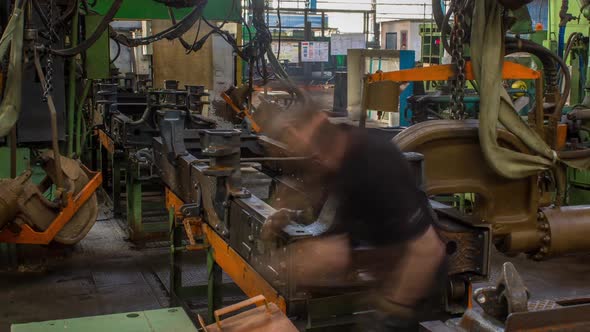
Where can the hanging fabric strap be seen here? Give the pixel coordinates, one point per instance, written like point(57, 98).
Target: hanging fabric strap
point(11, 103)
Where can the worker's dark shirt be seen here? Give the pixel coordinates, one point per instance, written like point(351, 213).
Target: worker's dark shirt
point(379, 201)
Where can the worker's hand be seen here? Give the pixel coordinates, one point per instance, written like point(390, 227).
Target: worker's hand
point(276, 222)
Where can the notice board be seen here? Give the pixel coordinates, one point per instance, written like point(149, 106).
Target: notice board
point(341, 43)
point(314, 51)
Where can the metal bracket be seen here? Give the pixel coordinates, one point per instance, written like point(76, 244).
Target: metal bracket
point(171, 130)
point(508, 297)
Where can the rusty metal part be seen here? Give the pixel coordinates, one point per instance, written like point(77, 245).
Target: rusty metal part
point(561, 319)
point(509, 296)
point(10, 190)
point(454, 163)
point(570, 319)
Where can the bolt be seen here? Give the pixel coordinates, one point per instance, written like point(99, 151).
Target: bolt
point(546, 239)
point(544, 250)
point(540, 215)
point(250, 238)
point(225, 204)
point(481, 299)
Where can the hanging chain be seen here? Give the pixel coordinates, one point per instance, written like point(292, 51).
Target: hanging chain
point(48, 88)
point(458, 84)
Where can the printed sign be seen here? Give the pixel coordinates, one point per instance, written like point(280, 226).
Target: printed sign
point(312, 51)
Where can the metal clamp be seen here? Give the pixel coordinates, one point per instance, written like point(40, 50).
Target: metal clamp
point(235, 307)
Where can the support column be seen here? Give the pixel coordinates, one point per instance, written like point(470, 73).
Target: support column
point(133, 189)
point(215, 282)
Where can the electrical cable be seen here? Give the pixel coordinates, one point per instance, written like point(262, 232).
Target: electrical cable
point(280, 29)
point(514, 45)
point(170, 33)
point(86, 44)
point(444, 32)
point(118, 52)
point(441, 21)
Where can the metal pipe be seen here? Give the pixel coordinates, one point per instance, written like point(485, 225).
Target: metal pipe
point(575, 154)
point(539, 111)
point(13, 152)
point(53, 117)
point(72, 83)
point(569, 227)
point(79, 116)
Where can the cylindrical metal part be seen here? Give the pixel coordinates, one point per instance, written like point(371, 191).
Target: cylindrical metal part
point(526, 240)
point(569, 230)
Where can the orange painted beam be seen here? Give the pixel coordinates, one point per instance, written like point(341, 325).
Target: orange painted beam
point(511, 71)
point(249, 281)
point(244, 112)
point(106, 141)
point(173, 201)
point(29, 236)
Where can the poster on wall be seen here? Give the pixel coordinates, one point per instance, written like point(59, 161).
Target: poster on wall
point(289, 51)
point(341, 43)
point(313, 51)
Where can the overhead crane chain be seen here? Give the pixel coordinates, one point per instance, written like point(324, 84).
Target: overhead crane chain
point(48, 88)
point(458, 58)
point(458, 84)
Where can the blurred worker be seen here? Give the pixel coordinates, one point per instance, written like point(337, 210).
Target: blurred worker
point(378, 205)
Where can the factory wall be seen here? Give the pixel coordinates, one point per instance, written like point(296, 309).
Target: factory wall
point(413, 42)
point(170, 61)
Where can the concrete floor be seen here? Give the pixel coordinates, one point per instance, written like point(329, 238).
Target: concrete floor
point(103, 274)
point(106, 274)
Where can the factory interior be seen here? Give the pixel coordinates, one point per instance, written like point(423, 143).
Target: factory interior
point(294, 165)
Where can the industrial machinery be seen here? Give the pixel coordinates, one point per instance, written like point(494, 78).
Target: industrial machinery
point(63, 206)
point(516, 175)
point(224, 185)
point(128, 123)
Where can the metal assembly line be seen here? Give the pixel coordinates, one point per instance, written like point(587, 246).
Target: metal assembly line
point(194, 165)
